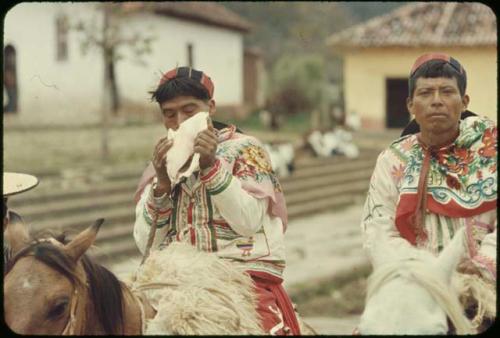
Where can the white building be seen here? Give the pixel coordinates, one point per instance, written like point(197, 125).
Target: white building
point(56, 84)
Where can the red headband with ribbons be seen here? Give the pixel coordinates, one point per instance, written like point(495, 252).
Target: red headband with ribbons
point(436, 56)
point(191, 73)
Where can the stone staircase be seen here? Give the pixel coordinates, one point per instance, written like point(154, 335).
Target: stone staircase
point(316, 185)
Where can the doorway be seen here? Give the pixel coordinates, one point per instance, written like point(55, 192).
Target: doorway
point(397, 115)
point(9, 80)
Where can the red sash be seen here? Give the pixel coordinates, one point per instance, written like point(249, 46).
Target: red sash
point(274, 305)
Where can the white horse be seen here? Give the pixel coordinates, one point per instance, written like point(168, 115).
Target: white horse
point(413, 293)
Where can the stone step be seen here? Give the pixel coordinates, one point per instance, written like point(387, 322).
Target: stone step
point(83, 215)
point(321, 182)
point(328, 169)
point(308, 161)
point(116, 192)
point(115, 233)
point(114, 199)
point(79, 221)
point(339, 190)
point(48, 209)
point(58, 194)
point(126, 181)
point(115, 252)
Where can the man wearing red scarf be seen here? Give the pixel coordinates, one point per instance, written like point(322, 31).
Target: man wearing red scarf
point(232, 205)
point(427, 185)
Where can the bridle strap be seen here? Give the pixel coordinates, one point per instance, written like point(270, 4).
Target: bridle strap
point(69, 330)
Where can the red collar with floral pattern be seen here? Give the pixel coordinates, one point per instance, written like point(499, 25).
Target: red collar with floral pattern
point(461, 182)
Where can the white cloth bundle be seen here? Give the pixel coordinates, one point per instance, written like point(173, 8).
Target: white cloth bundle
point(183, 147)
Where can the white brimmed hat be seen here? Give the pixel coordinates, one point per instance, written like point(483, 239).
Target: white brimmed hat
point(15, 183)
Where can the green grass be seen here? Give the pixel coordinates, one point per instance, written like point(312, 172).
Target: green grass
point(250, 123)
point(41, 151)
point(299, 123)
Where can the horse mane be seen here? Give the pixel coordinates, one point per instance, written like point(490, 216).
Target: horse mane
point(105, 288)
point(7, 256)
point(417, 270)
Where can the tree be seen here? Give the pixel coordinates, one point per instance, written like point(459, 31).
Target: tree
point(109, 38)
point(298, 85)
point(281, 27)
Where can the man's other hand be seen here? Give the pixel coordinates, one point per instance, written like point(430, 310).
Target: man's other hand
point(206, 145)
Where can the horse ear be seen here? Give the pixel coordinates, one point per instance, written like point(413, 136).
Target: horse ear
point(16, 234)
point(78, 245)
point(451, 255)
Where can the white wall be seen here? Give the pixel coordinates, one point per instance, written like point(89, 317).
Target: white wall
point(216, 51)
point(51, 90)
point(70, 92)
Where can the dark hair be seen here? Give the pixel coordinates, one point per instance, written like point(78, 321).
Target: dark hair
point(437, 68)
point(180, 86)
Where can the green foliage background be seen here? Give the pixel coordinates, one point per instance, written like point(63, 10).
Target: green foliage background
point(292, 36)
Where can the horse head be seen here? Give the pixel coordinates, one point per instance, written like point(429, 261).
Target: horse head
point(409, 291)
point(46, 286)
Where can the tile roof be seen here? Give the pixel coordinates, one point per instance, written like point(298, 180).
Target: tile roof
point(424, 24)
point(210, 13)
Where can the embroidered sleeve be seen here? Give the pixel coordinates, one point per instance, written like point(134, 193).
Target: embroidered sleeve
point(243, 212)
point(159, 207)
point(217, 179)
point(145, 211)
point(378, 216)
point(248, 162)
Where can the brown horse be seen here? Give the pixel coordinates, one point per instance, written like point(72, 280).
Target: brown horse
point(89, 300)
point(52, 287)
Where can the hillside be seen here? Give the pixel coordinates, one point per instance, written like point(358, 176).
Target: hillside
point(296, 27)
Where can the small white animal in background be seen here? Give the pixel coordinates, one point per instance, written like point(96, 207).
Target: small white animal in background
point(282, 158)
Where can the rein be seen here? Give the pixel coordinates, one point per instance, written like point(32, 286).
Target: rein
point(69, 329)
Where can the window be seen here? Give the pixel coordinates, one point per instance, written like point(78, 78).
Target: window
point(62, 38)
point(190, 55)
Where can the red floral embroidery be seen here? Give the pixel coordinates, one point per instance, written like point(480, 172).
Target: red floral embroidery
point(452, 182)
point(242, 169)
point(489, 138)
point(458, 161)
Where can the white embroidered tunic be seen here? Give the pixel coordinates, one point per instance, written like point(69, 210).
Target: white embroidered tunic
point(461, 192)
point(235, 210)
